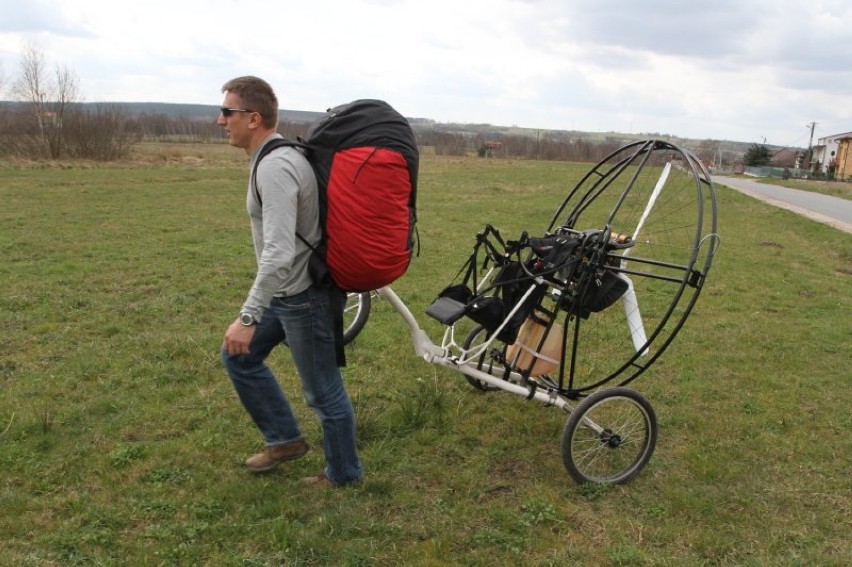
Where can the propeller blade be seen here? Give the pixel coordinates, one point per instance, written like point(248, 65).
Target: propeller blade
point(654, 194)
point(628, 300)
point(634, 318)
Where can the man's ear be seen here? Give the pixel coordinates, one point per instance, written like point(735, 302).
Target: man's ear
point(255, 120)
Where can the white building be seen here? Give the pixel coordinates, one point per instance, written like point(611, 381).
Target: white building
point(825, 151)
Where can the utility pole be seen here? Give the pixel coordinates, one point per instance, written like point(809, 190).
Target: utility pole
point(812, 125)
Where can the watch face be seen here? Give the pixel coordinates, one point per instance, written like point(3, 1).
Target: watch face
point(246, 319)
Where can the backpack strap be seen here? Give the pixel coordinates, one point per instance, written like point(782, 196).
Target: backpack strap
point(273, 144)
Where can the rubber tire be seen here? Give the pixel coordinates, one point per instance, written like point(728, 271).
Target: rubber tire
point(362, 313)
point(575, 429)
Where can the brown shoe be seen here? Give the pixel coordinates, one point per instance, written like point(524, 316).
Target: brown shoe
point(322, 481)
point(273, 456)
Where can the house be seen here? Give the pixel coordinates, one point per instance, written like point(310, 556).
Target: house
point(825, 151)
point(785, 157)
point(842, 164)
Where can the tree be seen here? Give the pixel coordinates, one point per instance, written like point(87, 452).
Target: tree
point(49, 99)
point(757, 155)
point(51, 122)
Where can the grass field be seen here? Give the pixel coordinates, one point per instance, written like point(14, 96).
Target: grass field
point(121, 440)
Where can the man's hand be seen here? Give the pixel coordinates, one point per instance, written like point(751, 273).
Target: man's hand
point(237, 338)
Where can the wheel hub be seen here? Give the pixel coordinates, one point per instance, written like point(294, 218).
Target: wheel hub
point(610, 439)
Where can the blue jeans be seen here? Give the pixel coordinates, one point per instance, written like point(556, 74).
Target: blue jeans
point(305, 321)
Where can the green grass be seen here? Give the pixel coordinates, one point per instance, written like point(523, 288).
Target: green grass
point(841, 189)
point(121, 440)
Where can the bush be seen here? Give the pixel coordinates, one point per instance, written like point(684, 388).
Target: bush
point(104, 133)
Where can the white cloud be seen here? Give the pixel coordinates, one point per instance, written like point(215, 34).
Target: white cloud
point(727, 69)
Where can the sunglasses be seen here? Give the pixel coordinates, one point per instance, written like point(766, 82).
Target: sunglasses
point(226, 112)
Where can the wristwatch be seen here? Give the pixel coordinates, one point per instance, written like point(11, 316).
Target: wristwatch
point(247, 319)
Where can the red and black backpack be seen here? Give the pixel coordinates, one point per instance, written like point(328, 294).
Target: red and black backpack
point(365, 158)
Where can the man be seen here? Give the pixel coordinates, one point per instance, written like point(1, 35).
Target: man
point(283, 303)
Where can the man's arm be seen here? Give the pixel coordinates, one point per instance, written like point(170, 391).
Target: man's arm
point(274, 232)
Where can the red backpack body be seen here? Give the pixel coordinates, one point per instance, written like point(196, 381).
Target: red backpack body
point(365, 158)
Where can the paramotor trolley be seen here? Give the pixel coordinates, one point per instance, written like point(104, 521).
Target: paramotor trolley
point(573, 314)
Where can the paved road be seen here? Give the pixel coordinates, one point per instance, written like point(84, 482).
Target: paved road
point(833, 211)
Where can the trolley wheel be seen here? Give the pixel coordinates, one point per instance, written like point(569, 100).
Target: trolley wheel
point(609, 437)
point(355, 314)
point(478, 335)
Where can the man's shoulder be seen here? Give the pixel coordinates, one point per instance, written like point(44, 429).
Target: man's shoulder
point(274, 143)
point(289, 149)
point(285, 153)
point(289, 160)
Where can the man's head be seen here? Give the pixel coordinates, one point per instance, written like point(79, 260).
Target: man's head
point(249, 111)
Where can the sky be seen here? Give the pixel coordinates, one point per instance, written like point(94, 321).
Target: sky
point(759, 71)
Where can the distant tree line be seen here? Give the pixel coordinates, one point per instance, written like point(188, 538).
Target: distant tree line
point(550, 146)
point(166, 127)
point(55, 130)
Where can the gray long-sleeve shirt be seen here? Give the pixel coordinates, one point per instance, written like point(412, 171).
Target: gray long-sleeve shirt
point(288, 190)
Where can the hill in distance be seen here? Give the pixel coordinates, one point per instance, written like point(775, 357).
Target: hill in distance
point(209, 112)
